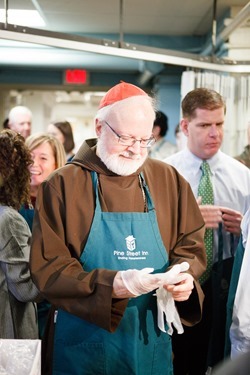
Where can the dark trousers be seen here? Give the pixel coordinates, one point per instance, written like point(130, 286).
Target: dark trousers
point(190, 349)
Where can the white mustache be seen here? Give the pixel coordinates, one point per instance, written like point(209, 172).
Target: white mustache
point(131, 155)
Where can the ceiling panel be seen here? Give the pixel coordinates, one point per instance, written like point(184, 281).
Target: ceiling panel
point(163, 17)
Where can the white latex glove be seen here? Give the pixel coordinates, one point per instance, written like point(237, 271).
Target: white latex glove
point(166, 308)
point(172, 276)
point(140, 282)
point(165, 301)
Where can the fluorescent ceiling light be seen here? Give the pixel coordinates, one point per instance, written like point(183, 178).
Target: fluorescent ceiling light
point(20, 17)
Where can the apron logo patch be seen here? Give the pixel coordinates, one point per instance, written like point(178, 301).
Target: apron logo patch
point(130, 253)
point(130, 242)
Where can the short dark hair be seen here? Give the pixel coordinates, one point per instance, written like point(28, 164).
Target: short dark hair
point(161, 120)
point(66, 129)
point(201, 98)
point(6, 123)
point(177, 129)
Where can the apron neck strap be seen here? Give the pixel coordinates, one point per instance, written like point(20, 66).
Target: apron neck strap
point(148, 203)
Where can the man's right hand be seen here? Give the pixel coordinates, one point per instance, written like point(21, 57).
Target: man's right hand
point(132, 282)
point(211, 214)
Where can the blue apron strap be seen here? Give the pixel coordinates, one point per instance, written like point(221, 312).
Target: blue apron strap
point(220, 244)
point(94, 178)
point(232, 292)
point(148, 196)
point(221, 276)
point(220, 251)
point(218, 266)
point(95, 185)
point(150, 204)
point(232, 245)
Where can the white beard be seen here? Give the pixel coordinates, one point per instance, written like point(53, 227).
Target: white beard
point(123, 163)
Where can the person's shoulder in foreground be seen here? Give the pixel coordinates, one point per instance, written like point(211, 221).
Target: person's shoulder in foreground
point(239, 366)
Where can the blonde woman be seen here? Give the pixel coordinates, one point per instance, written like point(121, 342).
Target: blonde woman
point(48, 155)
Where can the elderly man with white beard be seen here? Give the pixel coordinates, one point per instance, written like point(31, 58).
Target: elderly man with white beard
point(111, 233)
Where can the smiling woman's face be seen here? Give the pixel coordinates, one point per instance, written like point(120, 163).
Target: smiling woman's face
point(44, 163)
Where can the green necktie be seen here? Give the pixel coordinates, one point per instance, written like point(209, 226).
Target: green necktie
point(205, 191)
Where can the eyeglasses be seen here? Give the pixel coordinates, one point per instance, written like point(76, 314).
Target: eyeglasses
point(126, 140)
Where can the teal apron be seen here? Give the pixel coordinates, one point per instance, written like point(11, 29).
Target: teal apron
point(118, 241)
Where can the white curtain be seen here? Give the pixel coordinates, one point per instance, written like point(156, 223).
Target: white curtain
point(236, 93)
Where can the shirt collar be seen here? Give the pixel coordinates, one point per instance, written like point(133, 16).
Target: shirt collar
point(193, 162)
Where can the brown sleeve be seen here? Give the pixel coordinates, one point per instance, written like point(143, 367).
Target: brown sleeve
point(190, 247)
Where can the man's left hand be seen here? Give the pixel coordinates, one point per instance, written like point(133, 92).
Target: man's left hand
point(181, 291)
point(231, 220)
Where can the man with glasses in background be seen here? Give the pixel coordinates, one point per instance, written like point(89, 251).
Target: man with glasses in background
point(107, 227)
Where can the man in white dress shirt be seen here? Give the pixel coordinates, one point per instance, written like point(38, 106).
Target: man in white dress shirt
point(203, 112)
